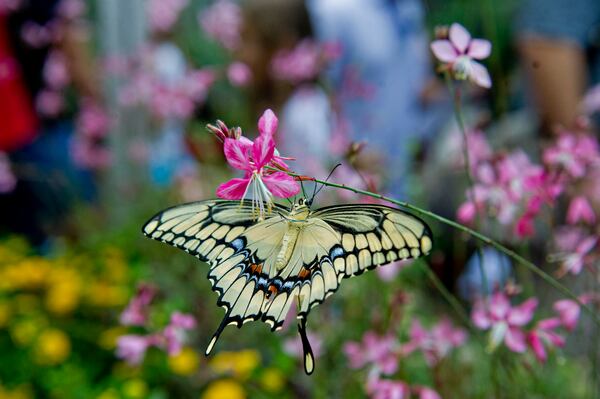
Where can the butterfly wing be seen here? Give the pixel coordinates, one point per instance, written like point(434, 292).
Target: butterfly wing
point(239, 250)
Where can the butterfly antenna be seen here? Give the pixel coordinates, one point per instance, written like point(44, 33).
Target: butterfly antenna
point(302, 185)
point(323, 185)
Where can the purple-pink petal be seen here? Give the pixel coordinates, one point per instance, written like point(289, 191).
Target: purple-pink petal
point(444, 50)
point(537, 346)
point(580, 210)
point(237, 154)
point(522, 314)
point(515, 340)
point(480, 75)
point(263, 150)
point(281, 185)
point(479, 49)
point(460, 37)
point(568, 312)
point(267, 124)
point(234, 189)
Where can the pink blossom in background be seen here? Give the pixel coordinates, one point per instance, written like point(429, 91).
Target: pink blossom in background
point(36, 35)
point(387, 389)
point(389, 272)
point(49, 103)
point(568, 313)
point(92, 122)
point(543, 335)
point(354, 86)
point(436, 343)
point(293, 346)
point(163, 14)
point(380, 352)
point(89, 154)
point(259, 184)
point(479, 149)
point(221, 22)
point(7, 6)
point(458, 53)
point(504, 321)
point(132, 348)
point(71, 9)
point(580, 210)
point(175, 334)
point(136, 312)
point(466, 212)
point(575, 246)
point(426, 393)
point(300, 64)
point(239, 74)
point(55, 72)
point(573, 153)
point(8, 180)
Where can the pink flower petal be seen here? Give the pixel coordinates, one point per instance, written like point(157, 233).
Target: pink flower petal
point(537, 346)
point(568, 312)
point(460, 37)
point(580, 210)
point(515, 340)
point(479, 49)
point(499, 306)
point(263, 150)
point(480, 75)
point(443, 50)
point(480, 317)
point(234, 189)
point(466, 212)
point(428, 393)
point(281, 184)
point(522, 314)
point(267, 124)
point(237, 154)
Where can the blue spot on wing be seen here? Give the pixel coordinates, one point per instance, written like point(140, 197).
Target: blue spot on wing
point(336, 252)
point(238, 244)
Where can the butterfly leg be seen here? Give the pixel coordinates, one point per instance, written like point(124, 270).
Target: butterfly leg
point(309, 359)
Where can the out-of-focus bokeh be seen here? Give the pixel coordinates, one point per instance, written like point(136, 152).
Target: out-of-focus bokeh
point(483, 112)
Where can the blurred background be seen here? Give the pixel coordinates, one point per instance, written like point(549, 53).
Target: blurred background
point(103, 113)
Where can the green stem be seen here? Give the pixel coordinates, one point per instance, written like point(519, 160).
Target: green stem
point(483, 238)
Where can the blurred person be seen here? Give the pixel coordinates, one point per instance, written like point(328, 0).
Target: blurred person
point(278, 47)
point(384, 85)
point(38, 144)
point(559, 41)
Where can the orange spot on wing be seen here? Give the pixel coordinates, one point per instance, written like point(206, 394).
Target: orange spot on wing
point(256, 269)
point(304, 273)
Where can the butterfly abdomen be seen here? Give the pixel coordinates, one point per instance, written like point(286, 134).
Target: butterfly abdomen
point(288, 243)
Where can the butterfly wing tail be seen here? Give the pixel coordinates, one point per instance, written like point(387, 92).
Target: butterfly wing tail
point(216, 335)
point(309, 359)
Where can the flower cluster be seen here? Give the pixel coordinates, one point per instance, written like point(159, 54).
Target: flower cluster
point(507, 323)
point(163, 14)
point(459, 51)
point(264, 177)
point(133, 347)
point(300, 64)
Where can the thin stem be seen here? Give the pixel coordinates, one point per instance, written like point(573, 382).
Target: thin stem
point(483, 238)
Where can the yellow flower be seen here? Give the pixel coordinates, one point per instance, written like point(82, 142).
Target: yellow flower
point(5, 313)
point(21, 392)
point(110, 393)
point(106, 295)
point(185, 362)
point(30, 273)
point(108, 338)
point(115, 266)
point(136, 388)
point(272, 380)
point(52, 347)
point(239, 363)
point(63, 298)
point(222, 389)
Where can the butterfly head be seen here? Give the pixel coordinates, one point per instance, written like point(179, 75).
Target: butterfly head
point(301, 208)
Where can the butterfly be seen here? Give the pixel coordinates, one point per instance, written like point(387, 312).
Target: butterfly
point(261, 267)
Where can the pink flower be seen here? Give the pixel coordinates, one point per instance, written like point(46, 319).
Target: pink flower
point(132, 348)
point(221, 22)
point(49, 103)
point(8, 181)
point(56, 74)
point(239, 74)
point(90, 154)
point(466, 212)
point(436, 343)
point(591, 101)
point(580, 210)
point(299, 64)
point(459, 53)
point(93, 121)
point(174, 335)
point(36, 35)
point(387, 389)
point(258, 183)
point(427, 393)
point(572, 153)
point(573, 262)
point(71, 9)
point(293, 346)
point(163, 14)
point(389, 272)
point(568, 313)
point(136, 312)
point(543, 335)
point(504, 320)
point(378, 351)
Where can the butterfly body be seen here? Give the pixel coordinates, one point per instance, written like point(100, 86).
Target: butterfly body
point(261, 268)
